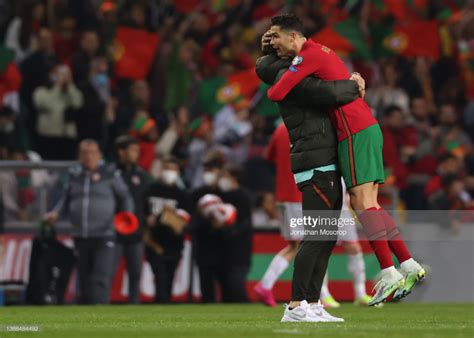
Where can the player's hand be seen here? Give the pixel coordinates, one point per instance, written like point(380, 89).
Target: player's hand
point(360, 82)
point(266, 39)
point(51, 217)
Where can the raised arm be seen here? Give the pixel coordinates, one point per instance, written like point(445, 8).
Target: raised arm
point(300, 68)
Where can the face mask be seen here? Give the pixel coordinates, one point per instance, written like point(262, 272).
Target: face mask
point(169, 176)
point(101, 80)
point(225, 184)
point(209, 178)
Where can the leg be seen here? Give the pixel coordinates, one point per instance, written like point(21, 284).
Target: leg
point(133, 257)
point(278, 265)
point(102, 271)
point(207, 281)
point(363, 203)
point(395, 241)
point(171, 265)
point(233, 288)
point(158, 267)
point(83, 270)
point(356, 267)
point(322, 193)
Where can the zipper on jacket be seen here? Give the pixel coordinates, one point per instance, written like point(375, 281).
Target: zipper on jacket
point(85, 205)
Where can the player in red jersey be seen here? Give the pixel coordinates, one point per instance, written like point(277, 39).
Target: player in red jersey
point(359, 152)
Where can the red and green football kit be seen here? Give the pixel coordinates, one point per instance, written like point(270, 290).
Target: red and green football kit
point(359, 135)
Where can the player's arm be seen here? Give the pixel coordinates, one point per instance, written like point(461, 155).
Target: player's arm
point(303, 65)
point(311, 90)
point(269, 66)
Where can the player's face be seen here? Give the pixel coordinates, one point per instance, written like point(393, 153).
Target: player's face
point(283, 42)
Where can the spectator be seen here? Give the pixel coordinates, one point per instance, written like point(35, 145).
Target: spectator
point(88, 49)
point(94, 193)
point(97, 112)
point(35, 72)
point(205, 236)
point(266, 213)
point(448, 166)
point(146, 132)
point(131, 246)
point(10, 131)
point(65, 37)
point(164, 234)
point(201, 144)
point(388, 93)
point(57, 105)
point(397, 139)
point(450, 136)
point(10, 82)
point(235, 244)
point(174, 139)
point(21, 33)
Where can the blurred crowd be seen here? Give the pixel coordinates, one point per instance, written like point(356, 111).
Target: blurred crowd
point(162, 71)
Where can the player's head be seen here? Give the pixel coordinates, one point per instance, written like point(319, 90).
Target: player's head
point(287, 35)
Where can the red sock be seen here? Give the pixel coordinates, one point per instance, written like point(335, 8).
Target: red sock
point(376, 233)
point(395, 240)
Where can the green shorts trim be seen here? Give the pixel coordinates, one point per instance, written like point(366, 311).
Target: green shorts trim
point(360, 157)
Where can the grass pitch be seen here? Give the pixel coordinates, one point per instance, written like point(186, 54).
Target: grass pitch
point(393, 320)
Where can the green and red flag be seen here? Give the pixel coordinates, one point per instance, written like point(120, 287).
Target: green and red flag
point(134, 51)
point(410, 39)
point(216, 92)
point(346, 39)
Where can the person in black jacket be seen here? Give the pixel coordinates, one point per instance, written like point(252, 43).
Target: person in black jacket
point(235, 245)
point(205, 236)
point(313, 153)
point(131, 246)
point(93, 118)
point(166, 209)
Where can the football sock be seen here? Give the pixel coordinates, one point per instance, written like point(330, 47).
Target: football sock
point(357, 269)
point(374, 228)
point(324, 287)
point(277, 266)
point(395, 241)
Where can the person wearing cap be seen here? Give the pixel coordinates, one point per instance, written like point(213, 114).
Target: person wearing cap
point(165, 203)
point(144, 129)
point(130, 245)
point(94, 193)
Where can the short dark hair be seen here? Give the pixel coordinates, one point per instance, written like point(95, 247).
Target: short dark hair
point(124, 141)
point(288, 22)
point(391, 109)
